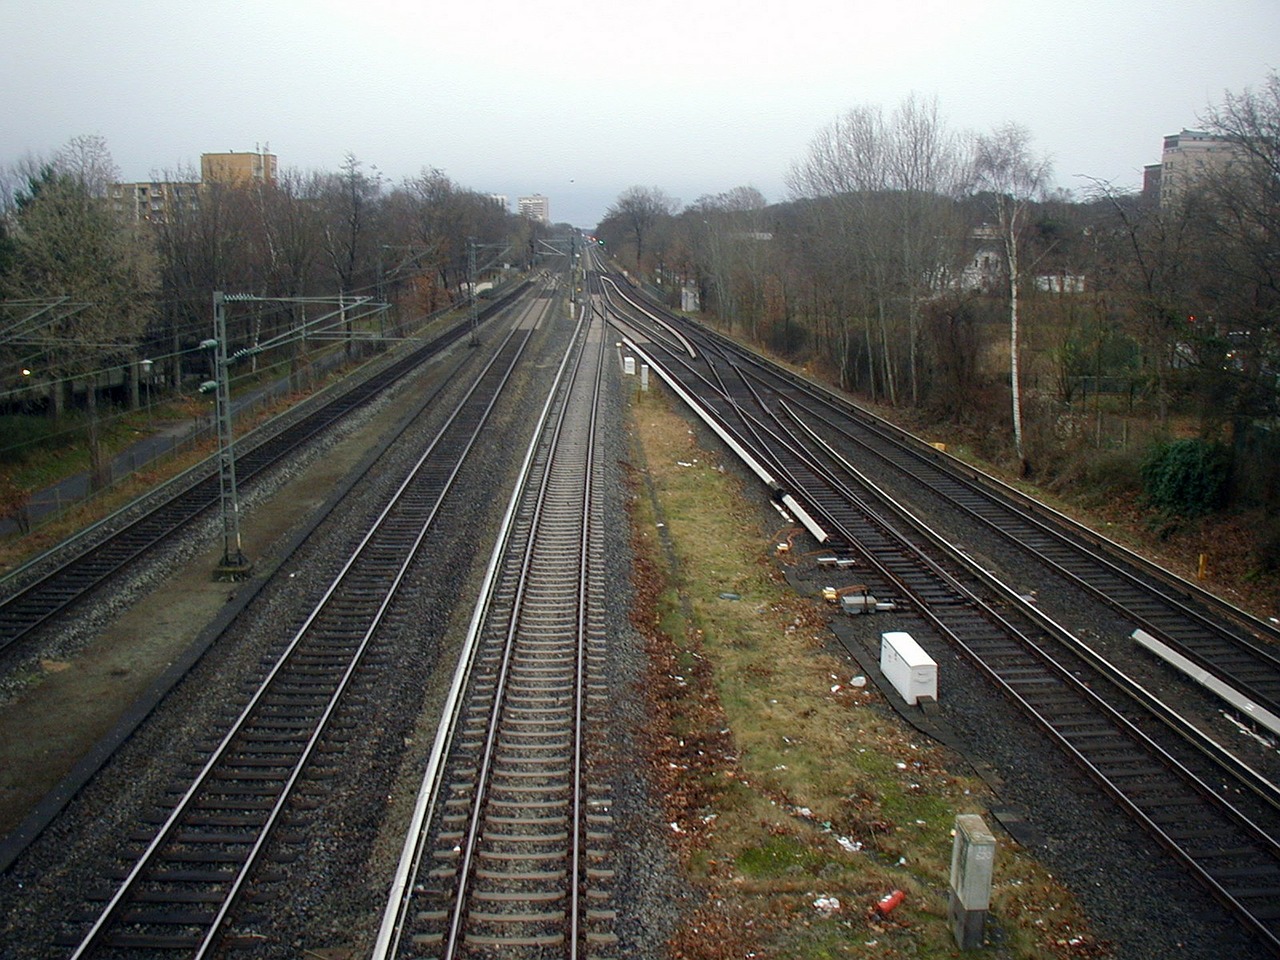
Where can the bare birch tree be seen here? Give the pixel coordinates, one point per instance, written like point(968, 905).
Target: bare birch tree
point(1013, 177)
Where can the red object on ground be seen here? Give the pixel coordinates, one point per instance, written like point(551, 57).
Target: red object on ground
point(890, 902)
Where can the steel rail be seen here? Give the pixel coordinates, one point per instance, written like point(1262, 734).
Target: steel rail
point(401, 891)
point(528, 662)
point(985, 483)
point(90, 562)
point(1179, 620)
point(1188, 619)
point(545, 525)
point(372, 547)
point(913, 578)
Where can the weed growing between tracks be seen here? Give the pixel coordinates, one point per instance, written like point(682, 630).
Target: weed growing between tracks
point(796, 800)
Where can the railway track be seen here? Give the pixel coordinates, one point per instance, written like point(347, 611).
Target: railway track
point(1166, 774)
point(29, 601)
point(507, 853)
point(1240, 651)
point(182, 891)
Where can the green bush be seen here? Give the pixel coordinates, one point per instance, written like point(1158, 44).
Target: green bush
point(24, 435)
point(1186, 478)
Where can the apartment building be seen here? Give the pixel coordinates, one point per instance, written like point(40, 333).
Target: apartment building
point(1187, 156)
point(536, 207)
point(152, 200)
point(238, 168)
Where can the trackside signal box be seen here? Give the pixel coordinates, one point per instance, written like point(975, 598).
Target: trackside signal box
point(913, 673)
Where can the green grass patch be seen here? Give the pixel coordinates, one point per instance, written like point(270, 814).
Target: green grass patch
point(781, 856)
point(784, 792)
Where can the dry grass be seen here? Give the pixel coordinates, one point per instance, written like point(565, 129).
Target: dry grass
point(784, 783)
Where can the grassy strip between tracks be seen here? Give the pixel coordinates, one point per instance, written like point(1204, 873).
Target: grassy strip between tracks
point(796, 800)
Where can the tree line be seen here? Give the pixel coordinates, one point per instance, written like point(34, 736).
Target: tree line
point(942, 274)
point(93, 301)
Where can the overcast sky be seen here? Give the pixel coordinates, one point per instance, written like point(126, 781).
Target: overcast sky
point(579, 101)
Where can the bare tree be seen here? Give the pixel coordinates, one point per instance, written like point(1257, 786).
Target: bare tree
point(1240, 206)
point(639, 209)
point(1013, 177)
point(202, 246)
point(884, 191)
point(86, 158)
point(1144, 254)
point(728, 234)
point(68, 244)
point(349, 245)
point(1239, 203)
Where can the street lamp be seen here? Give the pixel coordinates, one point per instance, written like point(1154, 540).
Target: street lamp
point(146, 366)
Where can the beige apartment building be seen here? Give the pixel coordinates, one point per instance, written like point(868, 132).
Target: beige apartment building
point(155, 199)
point(1187, 156)
point(152, 200)
point(238, 167)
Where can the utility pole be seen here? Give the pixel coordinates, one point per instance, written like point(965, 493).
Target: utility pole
point(474, 312)
point(234, 566)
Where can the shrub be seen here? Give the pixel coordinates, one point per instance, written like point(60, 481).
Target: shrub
point(24, 434)
point(1186, 478)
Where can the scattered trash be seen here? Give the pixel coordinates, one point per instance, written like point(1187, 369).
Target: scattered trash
point(852, 846)
point(859, 603)
point(826, 905)
point(900, 765)
point(890, 902)
point(730, 596)
point(858, 681)
point(676, 827)
point(836, 562)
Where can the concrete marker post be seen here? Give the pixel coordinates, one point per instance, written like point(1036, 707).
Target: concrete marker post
point(973, 857)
